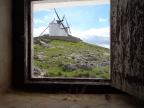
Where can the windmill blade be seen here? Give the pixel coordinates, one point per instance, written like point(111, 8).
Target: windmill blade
point(60, 20)
point(68, 26)
point(57, 14)
point(63, 18)
point(59, 17)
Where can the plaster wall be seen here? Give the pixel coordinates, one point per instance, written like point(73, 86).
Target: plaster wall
point(38, 100)
point(50, 4)
point(5, 45)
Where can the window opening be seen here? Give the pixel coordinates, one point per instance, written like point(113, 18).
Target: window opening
point(71, 42)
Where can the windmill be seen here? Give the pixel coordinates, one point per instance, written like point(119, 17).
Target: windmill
point(57, 27)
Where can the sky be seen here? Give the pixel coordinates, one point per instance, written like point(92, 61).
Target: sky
point(89, 23)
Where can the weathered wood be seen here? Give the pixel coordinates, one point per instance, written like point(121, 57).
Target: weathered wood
point(22, 59)
point(127, 46)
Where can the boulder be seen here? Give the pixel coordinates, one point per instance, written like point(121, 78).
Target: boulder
point(43, 44)
point(41, 60)
point(75, 61)
point(37, 71)
point(93, 76)
point(90, 58)
point(46, 75)
point(105, 63)
point(84, 67)
point(64, 57)
point(46, 41)
point(69, 67)
point(37, 42)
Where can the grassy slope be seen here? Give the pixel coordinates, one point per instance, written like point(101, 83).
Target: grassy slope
point(62, 49)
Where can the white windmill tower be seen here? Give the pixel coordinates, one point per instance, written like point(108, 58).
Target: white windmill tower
point(57, 28)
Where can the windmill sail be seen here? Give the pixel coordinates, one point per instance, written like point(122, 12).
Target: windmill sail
point(60, 21)
point(63, 17)
point(68, 26)
point(56, 14)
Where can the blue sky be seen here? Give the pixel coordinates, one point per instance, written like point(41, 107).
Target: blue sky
point(89, 23)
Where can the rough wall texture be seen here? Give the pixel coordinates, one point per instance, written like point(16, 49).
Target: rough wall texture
point(127, 46)
point(69, 38)
point(37, 100)
point(50, 4)
point(5, 45)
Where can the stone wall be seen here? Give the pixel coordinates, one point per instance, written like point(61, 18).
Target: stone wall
point(65, 38)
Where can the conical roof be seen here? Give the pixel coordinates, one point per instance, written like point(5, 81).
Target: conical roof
point(54, 21)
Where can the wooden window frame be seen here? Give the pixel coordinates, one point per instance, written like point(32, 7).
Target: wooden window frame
point(22, 55)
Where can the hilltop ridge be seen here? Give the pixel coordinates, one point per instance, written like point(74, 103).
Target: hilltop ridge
point(65, 38)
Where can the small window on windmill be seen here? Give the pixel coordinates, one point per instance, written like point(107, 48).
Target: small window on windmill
point(71, 42)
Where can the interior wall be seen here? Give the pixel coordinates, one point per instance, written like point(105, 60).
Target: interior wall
point(5, 45)
point(50, 4)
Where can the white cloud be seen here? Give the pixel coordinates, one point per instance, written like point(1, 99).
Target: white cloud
point(38, 21)
point(104, 45)
point(38, 31)
point(99, 37)
point(48, 18)
point(54, 16)
point(102, 32)
point(102, 20)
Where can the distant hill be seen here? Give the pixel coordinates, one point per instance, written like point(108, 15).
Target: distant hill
point(59, 58)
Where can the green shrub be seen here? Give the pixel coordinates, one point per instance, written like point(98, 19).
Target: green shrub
point(60, 54)
point(87, 74)
point(73, 57)
point(52, 56)
point(41, 66)
point(65, 75)
point(59, 73)
point(60, 64)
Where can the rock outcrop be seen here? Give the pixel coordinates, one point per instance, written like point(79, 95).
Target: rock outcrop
point(37, 71)
point(69, 67)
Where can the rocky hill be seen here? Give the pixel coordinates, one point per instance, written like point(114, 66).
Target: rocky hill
point(59, 58)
